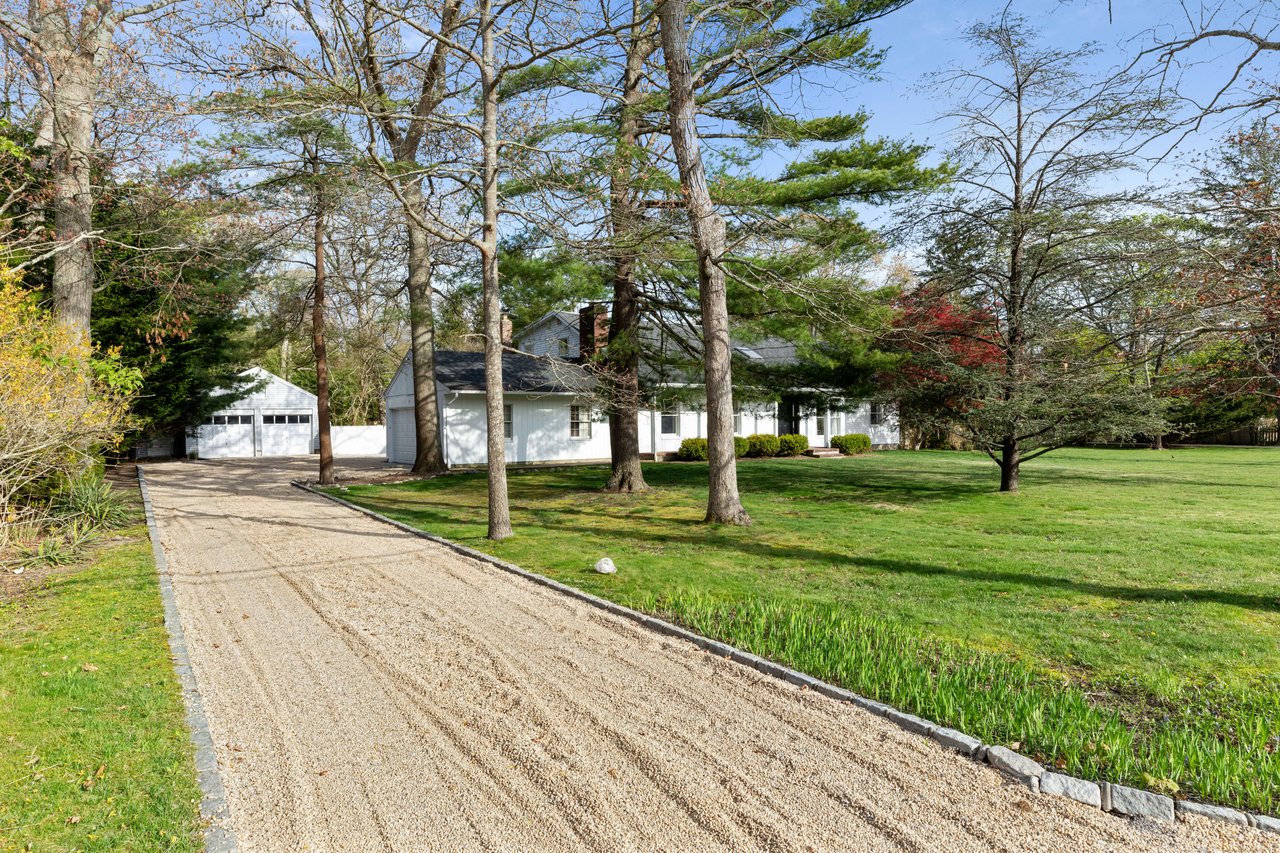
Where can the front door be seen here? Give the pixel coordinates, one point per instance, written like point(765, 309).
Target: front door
point(788, 418)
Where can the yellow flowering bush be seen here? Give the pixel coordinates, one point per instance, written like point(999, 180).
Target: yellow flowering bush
point(61, 403)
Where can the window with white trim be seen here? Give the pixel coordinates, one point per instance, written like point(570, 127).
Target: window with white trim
point(507, 429)
point(737, 420)
point(579, 422)
point(671, 419)
point(228, 419)
point(820, 422)
point(877, 414)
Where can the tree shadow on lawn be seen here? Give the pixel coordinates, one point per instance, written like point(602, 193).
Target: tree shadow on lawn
point(870, 485)
point(1265, 603)
point(1056, 476)
point(936, 479)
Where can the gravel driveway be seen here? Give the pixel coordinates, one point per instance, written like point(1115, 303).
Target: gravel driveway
point(368, 690)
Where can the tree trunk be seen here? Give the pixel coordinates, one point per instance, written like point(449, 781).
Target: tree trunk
point(499, 509)
point(429, 457)
point(723, 502)
point(1010, 460)
point(623, 353)
point(318, 347)
point(72, 107)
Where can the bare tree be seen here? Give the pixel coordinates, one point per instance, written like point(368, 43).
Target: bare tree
point(1017, 238)
point(490, 79)
point(65, 47)
point(385, 70)
point(404, 135)
point(1242, 35)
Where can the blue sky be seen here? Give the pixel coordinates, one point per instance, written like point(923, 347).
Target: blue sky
point(927, 36)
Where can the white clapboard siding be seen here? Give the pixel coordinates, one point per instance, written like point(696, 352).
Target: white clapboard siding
point(400, 391)
point(540, 430)
point(544, 336)
point(884, 434)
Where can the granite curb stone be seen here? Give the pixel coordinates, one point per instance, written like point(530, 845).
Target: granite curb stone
point(1015, 765)
point(1216, 812)
point(1138, 803)
point(218, 837)
point(910, 722)
point(1080, 790)
point(1266, 823)
point(956, 740)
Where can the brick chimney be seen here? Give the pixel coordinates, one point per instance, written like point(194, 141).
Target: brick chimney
point(593, 329)
point(507, 338)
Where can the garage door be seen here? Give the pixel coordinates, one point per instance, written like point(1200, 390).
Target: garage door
point(286, 435)
point(403, 445)
point(226, 436)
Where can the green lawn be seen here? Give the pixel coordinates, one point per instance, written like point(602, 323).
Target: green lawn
point(1119, 618)
point(94, 751)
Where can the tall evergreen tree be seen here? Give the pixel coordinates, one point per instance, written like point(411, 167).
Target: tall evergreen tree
point(791, 237)
point(172, 291)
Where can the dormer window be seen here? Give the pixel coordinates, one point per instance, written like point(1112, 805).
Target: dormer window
point(562, 347)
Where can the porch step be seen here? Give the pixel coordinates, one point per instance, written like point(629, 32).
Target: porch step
point(822, 452)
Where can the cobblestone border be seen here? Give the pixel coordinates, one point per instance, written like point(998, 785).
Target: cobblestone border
point(1118, 799)
point(218, 836)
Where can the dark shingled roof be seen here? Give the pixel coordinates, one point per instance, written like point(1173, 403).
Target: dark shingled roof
point(464, 371)
point(773, 352)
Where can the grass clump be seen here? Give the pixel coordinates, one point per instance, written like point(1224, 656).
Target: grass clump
point(90, 500)
point(999, 699)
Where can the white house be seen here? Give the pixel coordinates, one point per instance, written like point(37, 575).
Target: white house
point(548, 402)
point(276, 419)
point(548, 410)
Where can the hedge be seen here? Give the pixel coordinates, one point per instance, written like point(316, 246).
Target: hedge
point(792, 445)
point(851, 444)
point(692, 450)
point(761, 444)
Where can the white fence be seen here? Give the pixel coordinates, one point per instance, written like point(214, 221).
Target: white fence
point(359, 440)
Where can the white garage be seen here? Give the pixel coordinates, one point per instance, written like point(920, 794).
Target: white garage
point(277, 419)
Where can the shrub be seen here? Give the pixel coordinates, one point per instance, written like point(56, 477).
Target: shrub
point(762, 445)
point(692, 450)
point(61, 402)
point(792, 445)
point(740, 446)
point(89, 499)
point(851, 444)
